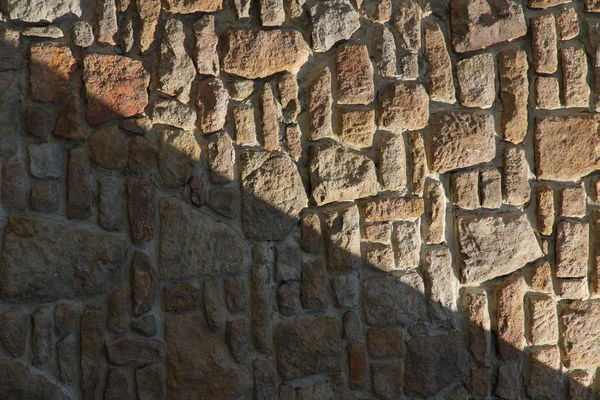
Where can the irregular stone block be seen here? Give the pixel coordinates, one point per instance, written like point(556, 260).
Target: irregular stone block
point(332, 21)
point(51, 65)
point(354, 75)
point(403, 106)
point(342, 239)
point(511, 320)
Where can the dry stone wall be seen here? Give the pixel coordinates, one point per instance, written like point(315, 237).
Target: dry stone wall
point(299, 199)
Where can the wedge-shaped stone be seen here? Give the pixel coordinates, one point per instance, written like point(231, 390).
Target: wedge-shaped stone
point(495, 244)
point(253, 53)
point(46, 260)
point(566, 148)
point(193, 243)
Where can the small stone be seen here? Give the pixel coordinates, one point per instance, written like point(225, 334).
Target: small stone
point(224, 200)
point(495, 244)
point(407, 244)
point(579, 384)
point(14, 184)
point(293, 9)
point(476, 26)
point(174, 113)
point(542, 377)
point(547, 92)
point(352, 329)
point(407, 21)
point(45, 160)
point(269, 118)
point(387, 378)
point(287, 86)
point(32, 11)
point(576, 92)
point(115, 87)
point(384, 342)
point(65, 319)
point(106, 21)
point(435, 212)
point(379, 257)
point(543, 320)
point(292, 141)
point(319, 105)
point(237, 334)
point(567, 23)
point(545, 3)
point(211, 103)
point(213, 304)
point(344, 289)
point(379, 10)
point(514, 92)
point(354, 75)
point(419, 163)
point(206, 57)
point(51, 65)
point(91, 349)
point(66, 355)
point(149, 13)
point(176, 70)
point(126, 34)
point(265, 379)
point(574, 289)
point(178, 153)
point(391, 165)
point(384, 50)
point(181, 297)
point(425, 375)
point(141, 205)
point(461, 139)
point(320, 390)
point(404, 106)
point(139, 125)
point(478, 325)
point(117, 385)
point(545, 209)
point(465, 189)
point(442, 284)
point(108, 146)
point(247, 49)
point(146, 325)
point(476, 81)
point(441, 80)
point(590, 5)
point(236, 296)
point(311, 239)
point(342, 238)
point(69, 123)
point(149, 382)
point(391, 208)
point(221, 158)
point(111, 214)
point(511, 327)
point(313, 285)
point(52, 32)
point(572, 249)
point(13, 331)
point(288, 259)
point(573, 202)
point(271, 12)
point(141, 154)
point(288, 299)
point(379, 232)
point(79, 190)
point(118, 311)
point(332, 21)
point(261, 301)
point(392, 300)
point(544, 43)
point(37, 122)
point(515, 176)
point(128, 351)
point(507, 386)
point(186, 7)
point(357, 364)
point(11, 49)
point(540, 279)
point(244, 126)
point(490, 188)
point(82, 34)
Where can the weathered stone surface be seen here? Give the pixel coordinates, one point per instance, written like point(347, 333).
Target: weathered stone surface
point(12, 49)
point(198, 363)
point(478, 325)
point(141, 204)
point(514, 92)
point(65, 319)
point(542, 375)
point(392, 300)
point(387, 378)
point(434, 363)
point(146, 325)
point(149, 382)
point(332, 21)
point(435, 212)
point(515, 174)
point(476, 25)
point(82, 34)
point(118, 311)
point(221, 157)
point(126, 351)
point(180, 297)
point(252, 53)
point(384, 342)
point(379, 257)
point(41, 336)
point(45, 160)
point(211, 103)
point(178, 153)
point(547, 93)
point(465, 193)
point(271, 12)
point(288, 298)
point(79, 190)
point(66, 355)
point(49, 260)
point(213, 304)
point(566, 148)
point(391, 164)
point(14, 184)
point(106, 21)
point(338, 173)
point(244, 125)
point(206, 57)
point(354, 75)
point(272, 194)
point(190, 7)
point(19, 380)
point(174, 113)
point(176, 69)
point(313, 285)
point(573, 202)
point(111, 208)
point(511, 320)
point(441, 80)
point(345, 290)
point(391, 208)
point(567, 23)
point(490, 188)
point(384, 50)
point(572, 249)
point(40, 10)
point(319, 105)
point(544, 44)
point(407, 245)
point(495, 244)
point(13, 331)
point(308, 345)
point(407, 21)
point(91, 348)
point(320, 390)
point(576, 91)
point(260, 304)
point(69, 123)
point(149, 12)
point(108, 147)
point(117, 385)
point(442, 284)
point(269, 118)
point(115, 87)
point(237, 337)
point(185, 253)
point(51, 65)
point(461, 139)
point(403, 105)
point(543, 321)
point(342, 238)
point(476, 80)
point(508, 378)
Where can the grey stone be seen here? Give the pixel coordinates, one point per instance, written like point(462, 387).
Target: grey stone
point(126, 34)
point(111, 208)
point(146, 325)
point(127, 351)
point(11, 49)
point(47, 260)
point(44, 196)
point(332, 21)
point(65, 319)
point(288, 298)
point(41, 336)
point(82, 34)
point(174, 113)
point(213, 304)
point(224, 200)
point(45, 160)
point(176, 69)
point(237, 336)
point(117, 385)
point(178, 153)
point(265, 379)
point(206, 56)
point(118, 311)
point(91, 347)
point(14, 184)
point(288, 258)
point(185, 253)
point(13, 331)
point(19, 382)
point(106, 21)
point(144, 283)
point(344, 289)
point(40, 10)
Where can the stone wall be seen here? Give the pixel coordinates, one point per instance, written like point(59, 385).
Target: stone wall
point(299, 199)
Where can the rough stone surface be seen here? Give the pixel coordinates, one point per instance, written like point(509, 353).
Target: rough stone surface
point(178, 152)
point(403, 106)
point(332, 21)
point(40, 10)
point(176, 69)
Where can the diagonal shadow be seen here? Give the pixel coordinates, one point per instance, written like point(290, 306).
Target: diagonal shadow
point(320, 321)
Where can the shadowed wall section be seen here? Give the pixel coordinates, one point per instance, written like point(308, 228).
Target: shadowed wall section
point(299, 200)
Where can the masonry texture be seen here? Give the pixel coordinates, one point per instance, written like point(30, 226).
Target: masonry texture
point(299, 199)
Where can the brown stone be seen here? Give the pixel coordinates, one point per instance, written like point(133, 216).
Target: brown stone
point(244, 126)
point(127, 351)
point(542, 376)
point(476, 80)
point(319, 105)
point(387, 378)
point(403, 106)
point(108, 147)
point(543, 327)
point(311, 239)
point(358, 365)
point(149, 382)
point(407, 244)
point(211, 103)
point(478, 325)
point(115, 87)
point(178, 153)
point(546, 3)
point(391, 208)
point(514, 92)
point(13, 331)
point(384, 342)
point(576, 92)
point(545, 209)
point(384, 49)
point(141, 204)
point(149, 12)
point(490, 188)
point(354, 75)
point(14, 184)
point(190, 7)
point(314, 290)
point(515, 174)
point(407, 21)
point(206, 57)
point(221, 157)
point(572, 249)
point(567, 23)
point(79, 190)
point(141, 154)
point(441, 282)
point(574, 289)
point(342, 238)
point(573, 202)
point(511, 322)
point(357, 126)
point(92, 341)
point(269, 118)
point(144, 282)
point(419, 163)
point(51, 65)
point(379, 257)
point(540, 278)
point(435, 212)
point(118, 311)
point(252, 53)
point(465, 189)
point(441, 80)
point(544, 42)
point(547, 93)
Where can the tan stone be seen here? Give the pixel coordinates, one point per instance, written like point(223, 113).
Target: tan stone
point(478, 325)
point(542, 375)
point(379, 233)
point(384, 342)
point(338, 173)
point(342, 238)
point(269, 117)
point(567, 23)
point(580, 333)
point(546, 3)
point(319, 105)
point(495, 244)
point(576, 92)
point(465, 189)
point(211, 103)
point(543, 42)
point(404, 106)
point(206, 57)
point(572, 249)
point(511, 319)
point(391, 208)
point(545, 209)
point(515, 174)
point(566, 148)
point(461, 139)
point(547, 93)
point(244, 126)
point(253, 53)
point(441, 81)
point(354, 75)
point(190, 7)
point(149, 12)
point(407, 21)
point(435, 212)
point(476, 25)
point(573, 202)
point(476, 80)
point(391, 162)
point(490, 188)
point(178, 153)
point(574, 289)
point(540, 277)
point(384, 49)
point(419, 163)
point(356, 126)
point(514, 92)
point(51, 65)
point(292, 142)
point(287, 86)
point(271, 12)
point(311, 238)
point(543, 320)
point(380, 257)
point(442, 283)
point(115, 87)
point(407, 244)
point(221, 157)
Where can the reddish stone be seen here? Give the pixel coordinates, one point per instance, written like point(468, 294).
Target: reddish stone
point(51, 66)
